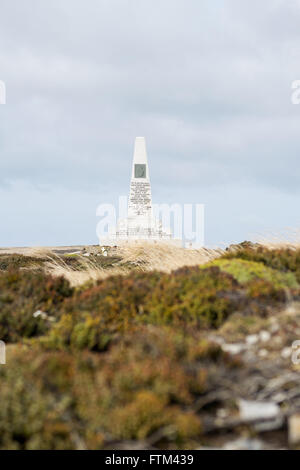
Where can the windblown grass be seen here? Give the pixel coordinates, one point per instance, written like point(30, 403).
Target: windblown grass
point(89, 271)
point(141, 257)
point(288, 238)
point(85, 269)
point(164, 257)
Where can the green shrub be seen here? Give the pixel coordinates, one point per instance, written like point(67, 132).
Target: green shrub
point(34, 413)
point(189, 297)
point(245, 271)
point(145, 382)
point(22, 293)
point(284, 260)
point(16, 261)
point(93, 317)
point(58, 392)
point(192, 296)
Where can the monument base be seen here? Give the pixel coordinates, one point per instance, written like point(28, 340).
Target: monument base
point(139, 229)
point(113, 242)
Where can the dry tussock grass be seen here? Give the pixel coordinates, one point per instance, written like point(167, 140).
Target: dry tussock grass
point(77, 277)
point(146, 256)
point(288, 238)
point(164, 257)
point(89, 271)
point(141, 256)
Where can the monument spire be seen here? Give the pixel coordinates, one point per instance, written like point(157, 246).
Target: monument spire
point(140, 223)
point(140, 200)
point(140, 155)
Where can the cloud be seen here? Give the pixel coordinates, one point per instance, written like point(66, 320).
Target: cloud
point(207, 83)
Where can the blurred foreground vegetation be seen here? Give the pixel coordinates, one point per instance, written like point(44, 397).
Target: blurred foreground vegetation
point(129, 357)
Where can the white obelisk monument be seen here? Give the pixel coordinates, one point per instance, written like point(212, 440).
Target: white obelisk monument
point(140, 223)
point(140, 200)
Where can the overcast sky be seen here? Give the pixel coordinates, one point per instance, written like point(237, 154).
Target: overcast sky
point(208, 83)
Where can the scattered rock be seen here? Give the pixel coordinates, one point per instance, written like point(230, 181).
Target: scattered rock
point(277, 341)
point(237, 247)
point(222, 413)
point(270, 425)
point(264, 336)
point(252, 339)
point(233, 348)
point(255, 410)
point(41, 314)
point(294, 429)
point(286, 353)
point(217, 339)
point(263, 353)
point(244, 444)
point(274, 328)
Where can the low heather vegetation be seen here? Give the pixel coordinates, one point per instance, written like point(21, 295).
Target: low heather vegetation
point(127, 357)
